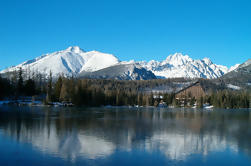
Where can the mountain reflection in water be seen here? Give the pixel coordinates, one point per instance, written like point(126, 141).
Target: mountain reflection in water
point(93, 133)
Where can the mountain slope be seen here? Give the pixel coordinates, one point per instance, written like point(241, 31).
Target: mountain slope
point(244, 70)
point(120, 72)
point(241, 76)
point(68, 62)
point(74, 60)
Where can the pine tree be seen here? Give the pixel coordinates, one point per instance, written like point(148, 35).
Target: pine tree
point(5, 88)
point(49, 89)
point(200, 102)
point(57, 89)
point(29, 87)
point(20, 82)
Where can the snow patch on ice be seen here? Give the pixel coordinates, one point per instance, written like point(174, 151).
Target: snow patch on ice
point(233, 87)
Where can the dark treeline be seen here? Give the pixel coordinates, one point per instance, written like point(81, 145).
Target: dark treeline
point(19, 84)
point(97, 92)
point(114, 92)
point(5, 88)
point(229, 99)
point(101, 92)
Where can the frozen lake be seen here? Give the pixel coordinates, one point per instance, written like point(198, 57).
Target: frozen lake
point(44, 136)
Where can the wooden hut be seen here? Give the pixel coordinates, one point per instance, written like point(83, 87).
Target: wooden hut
point(194, 90)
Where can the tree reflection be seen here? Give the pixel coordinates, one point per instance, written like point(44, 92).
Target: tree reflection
point(97, 132)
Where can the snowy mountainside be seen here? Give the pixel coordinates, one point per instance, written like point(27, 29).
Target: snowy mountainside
point(178, 65)
point(243, 70)
point(246, 64)
point(74, 60)
point(240, 77)
point(232, 68)
point(120, 72)
point(69, 62)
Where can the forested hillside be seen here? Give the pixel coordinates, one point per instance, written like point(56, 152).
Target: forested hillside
point(97, 92)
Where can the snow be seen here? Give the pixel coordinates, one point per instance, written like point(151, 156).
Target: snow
point(120, 71)
point(232, 68)
point(233, 87)
point(68, 62)
point(177, 59)
point(209, 107)
point(247, 63)
point(97, 60)
point(74, 60)
point(178, 65)
point(75, 49)
point(207, 61)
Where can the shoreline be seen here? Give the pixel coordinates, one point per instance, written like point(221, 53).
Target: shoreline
point(69, 104)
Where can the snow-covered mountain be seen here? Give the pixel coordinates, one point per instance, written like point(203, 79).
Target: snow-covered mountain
point(120, 72)
point(178, 65)
point(69, 62)
point(240, 77)
point(242, 71)
point(232, 68)
point(74, 61)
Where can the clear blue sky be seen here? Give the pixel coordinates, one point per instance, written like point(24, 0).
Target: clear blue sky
point(129, 29)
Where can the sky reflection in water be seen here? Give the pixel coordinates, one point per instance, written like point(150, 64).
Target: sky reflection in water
point(76, 136)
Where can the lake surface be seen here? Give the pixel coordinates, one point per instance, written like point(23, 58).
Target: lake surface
point(42, 136)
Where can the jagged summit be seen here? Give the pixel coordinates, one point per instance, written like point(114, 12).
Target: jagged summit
point(207, 61)
point(179, 65)
point(177, 59)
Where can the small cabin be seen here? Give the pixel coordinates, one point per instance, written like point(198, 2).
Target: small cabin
point(194, 90)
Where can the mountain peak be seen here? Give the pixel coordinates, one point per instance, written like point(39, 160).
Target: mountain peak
point(232, 68)
point(248, 62)
point(178, 56)
point(207, 61)
point(178, 59)
point(75, 49)
point(74, 60)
